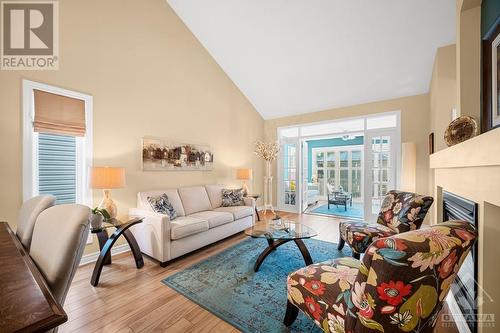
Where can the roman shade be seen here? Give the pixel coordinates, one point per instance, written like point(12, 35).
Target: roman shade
point(56, 114)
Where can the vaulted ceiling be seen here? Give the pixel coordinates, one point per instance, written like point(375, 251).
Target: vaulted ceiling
point(297, 56)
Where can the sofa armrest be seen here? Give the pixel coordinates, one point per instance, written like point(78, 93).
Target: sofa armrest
point(249, 201)
point(147, 214)
point(153, 234)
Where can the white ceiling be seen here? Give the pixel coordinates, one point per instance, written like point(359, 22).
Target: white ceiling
point(297, 56)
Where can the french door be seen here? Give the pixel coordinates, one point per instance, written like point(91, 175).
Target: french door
point(381, 151)
point(305, 180)
point(288, 176)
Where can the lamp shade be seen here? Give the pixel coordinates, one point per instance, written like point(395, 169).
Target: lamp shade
point(408, 166)
point(107, 177)
point(244, 174)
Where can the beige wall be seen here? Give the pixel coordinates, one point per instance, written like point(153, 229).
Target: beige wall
point(414, 127)
point(149, 76)
point(468, 60)
point(443, 93)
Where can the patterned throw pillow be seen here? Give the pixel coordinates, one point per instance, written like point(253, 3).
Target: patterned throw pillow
point(162, 205)
point(232, 197)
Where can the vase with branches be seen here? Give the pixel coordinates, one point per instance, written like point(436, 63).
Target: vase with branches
point(268, 151)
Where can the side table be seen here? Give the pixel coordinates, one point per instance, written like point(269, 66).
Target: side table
point(106, 243)
point(255, 196)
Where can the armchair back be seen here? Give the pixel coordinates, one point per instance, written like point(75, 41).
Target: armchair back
point(404, 279)
point(404, 211)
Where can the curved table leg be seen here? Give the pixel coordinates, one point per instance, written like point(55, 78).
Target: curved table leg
point(305, 252)
point(134, 247)
point(272, 246)
point(102, 237)
point(106, 251)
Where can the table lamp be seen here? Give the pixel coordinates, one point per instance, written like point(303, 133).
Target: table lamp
point(107, 178)
point(244, 174)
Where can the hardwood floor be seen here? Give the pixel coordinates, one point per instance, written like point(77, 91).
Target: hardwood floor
point(134, 300)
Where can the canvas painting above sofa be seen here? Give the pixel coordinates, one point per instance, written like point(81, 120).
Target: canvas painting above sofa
point(164, 155)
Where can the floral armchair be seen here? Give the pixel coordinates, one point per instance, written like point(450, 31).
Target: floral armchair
point(398, 287)
point(400, 212)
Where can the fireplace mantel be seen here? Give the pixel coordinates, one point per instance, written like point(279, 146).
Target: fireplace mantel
point(481, 151)
point(471, 170)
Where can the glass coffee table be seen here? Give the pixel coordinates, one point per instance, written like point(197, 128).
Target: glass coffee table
point(279, 234)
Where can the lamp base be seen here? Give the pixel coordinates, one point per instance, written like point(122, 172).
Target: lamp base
point(108, 204)
point(244, 187)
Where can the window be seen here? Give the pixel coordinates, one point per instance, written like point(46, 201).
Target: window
point(57, 155)
point(290, 174)
point(343, 168)
point(381, 121)
point(57, 166)
point(291, 132)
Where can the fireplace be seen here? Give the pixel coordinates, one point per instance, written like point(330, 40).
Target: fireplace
point(464, 289)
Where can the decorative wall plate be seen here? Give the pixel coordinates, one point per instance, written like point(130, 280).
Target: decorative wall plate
point(459, 130)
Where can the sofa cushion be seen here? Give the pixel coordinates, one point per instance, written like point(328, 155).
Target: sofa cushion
point(215, 195)
point(173, 197)
point(185, 226)
point(194, 199)
point(237, 211)
point(232, 197)
point(214, 218)
point(161, 204)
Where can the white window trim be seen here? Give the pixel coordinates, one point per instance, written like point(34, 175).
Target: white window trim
point(30, 147)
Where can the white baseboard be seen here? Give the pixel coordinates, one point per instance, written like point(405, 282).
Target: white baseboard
point(91, 257)
point(261, 208)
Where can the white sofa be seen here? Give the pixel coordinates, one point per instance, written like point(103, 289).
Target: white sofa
point(201, 220)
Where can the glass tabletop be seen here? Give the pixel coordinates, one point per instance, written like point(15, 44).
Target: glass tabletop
point(114, 223)
point(284, 229)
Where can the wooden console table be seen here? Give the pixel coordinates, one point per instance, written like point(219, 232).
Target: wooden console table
point(26, 303)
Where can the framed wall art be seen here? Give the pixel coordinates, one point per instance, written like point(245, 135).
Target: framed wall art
point(165, 155)
point(490, 117)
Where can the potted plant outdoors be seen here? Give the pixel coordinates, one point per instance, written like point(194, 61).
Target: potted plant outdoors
point(99, 215)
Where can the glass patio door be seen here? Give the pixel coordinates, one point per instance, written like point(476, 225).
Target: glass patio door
point(305, 180)
point(288, 182)
point(380, 170)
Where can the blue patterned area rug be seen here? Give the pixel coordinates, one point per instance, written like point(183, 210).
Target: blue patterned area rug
point(356, 211)
point(226, 285)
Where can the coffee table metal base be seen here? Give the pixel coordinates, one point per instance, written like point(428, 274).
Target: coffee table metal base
point(273, 244)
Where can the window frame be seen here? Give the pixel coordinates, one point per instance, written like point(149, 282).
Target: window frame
point(84, 146)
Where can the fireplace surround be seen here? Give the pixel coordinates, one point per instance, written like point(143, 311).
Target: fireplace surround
point(471, 170)
point(464, 288)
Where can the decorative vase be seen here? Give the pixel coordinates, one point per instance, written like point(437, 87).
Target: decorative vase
point(96, 221)
point(268, 188)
